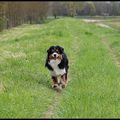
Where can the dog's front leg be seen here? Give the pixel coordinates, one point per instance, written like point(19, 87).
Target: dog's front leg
point(64, 80)
point(55, 82)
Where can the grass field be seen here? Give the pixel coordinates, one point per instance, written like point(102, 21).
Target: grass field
point(93, 90)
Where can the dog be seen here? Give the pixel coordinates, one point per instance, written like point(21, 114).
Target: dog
point(57, 64)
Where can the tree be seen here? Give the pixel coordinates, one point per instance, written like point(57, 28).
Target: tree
point(2, 15)
point(115, 8)
point(16, 13)
point(80, 8)
point(71, 8)
point(89, 8)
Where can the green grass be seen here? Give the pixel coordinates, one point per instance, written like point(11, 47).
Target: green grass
point(93, 89)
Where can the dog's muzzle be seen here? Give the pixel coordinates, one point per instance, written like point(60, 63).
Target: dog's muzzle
point(55, 55)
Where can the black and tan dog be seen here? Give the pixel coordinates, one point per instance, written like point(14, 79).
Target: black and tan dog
point(57, 63)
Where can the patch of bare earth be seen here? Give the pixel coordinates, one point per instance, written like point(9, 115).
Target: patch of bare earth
point(49, 113)
point(103, 25)
point(91, 20)
point(97, 22)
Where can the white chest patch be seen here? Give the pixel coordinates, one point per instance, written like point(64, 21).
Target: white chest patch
point(56, 70)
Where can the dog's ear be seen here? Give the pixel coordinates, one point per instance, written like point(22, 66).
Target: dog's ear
point(51, 47)
point(62, 49)
point(47, 50)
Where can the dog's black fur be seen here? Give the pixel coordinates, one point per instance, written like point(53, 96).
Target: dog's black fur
point(64, 61)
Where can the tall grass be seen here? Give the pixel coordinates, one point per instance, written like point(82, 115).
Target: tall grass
point(93, 89)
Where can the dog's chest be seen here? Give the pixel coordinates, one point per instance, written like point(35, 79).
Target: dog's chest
point(56, 70)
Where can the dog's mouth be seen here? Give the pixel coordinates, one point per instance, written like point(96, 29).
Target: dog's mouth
point(55, 58)
point(59, 57)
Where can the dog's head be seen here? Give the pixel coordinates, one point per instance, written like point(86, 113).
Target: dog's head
point(55, 52)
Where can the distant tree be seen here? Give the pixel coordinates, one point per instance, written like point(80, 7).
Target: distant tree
point(115, 8)
point(89, 8)
point(17, 13)
point(107, 8)
point(56, 9)
point(37, 11)
point(71, 8)
point(80, 8)
point(2, 15)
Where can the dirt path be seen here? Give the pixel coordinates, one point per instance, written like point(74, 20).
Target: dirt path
point(91, 20)
point(49, 113)
point(112, 53)
point(97, 22)
point(103, 25)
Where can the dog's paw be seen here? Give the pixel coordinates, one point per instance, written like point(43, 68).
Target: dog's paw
point(63, 84)
point(55, 86)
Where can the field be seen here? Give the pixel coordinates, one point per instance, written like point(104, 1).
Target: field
point(93, 90)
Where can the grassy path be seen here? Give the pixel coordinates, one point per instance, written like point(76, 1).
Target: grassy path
point(94, 79)
point(50, 112)
point(74, 50)
point(112, 52)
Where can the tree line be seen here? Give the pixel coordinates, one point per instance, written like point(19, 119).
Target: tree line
point(104, 8)
point(16, 13)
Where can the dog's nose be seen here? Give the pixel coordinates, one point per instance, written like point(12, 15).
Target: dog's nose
point(54, 55)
